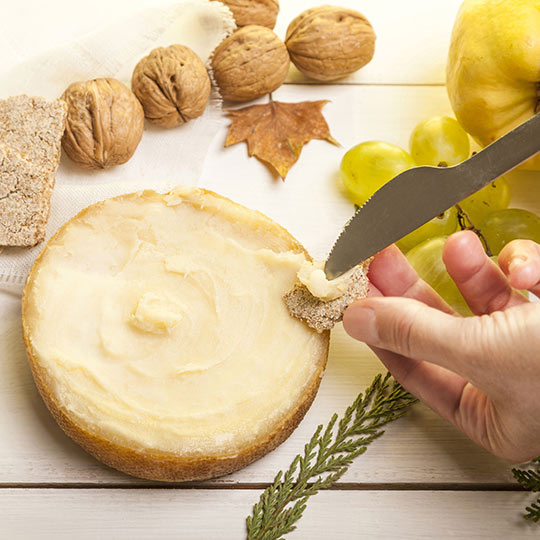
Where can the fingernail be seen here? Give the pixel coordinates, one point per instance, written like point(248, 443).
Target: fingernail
point(360, 323)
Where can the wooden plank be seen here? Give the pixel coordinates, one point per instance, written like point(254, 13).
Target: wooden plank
point(420, 448)
point(411, 45)
point(208, 514)
point(310, 203)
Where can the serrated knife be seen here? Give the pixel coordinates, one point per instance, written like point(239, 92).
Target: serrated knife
point(418, 195)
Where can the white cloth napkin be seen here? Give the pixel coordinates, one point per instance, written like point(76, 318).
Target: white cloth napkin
point(165, 157)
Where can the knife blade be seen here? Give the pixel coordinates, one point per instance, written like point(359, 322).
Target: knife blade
point(417, 195)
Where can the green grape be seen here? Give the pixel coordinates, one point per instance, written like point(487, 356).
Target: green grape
point(503, 226)
point(493, 197)
point(368, 166)
point(439, 141)
point(442, 225)
point(426, 259)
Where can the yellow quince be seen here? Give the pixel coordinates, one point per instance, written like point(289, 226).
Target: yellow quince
point(493, 70)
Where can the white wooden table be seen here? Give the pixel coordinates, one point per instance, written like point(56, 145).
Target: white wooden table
point(423, 479)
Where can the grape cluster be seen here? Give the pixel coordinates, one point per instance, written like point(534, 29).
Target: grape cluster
point(440, 142)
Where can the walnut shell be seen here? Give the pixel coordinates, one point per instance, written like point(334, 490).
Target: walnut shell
point(261, 12)
point(104, 123)
point(250, 63)
point(327, 42)
point(172, 85)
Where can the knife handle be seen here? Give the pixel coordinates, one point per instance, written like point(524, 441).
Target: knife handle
point(504, 154)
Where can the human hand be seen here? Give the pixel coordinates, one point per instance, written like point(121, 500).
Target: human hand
point(481, 373)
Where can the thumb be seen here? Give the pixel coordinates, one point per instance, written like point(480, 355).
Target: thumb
point(412, 329)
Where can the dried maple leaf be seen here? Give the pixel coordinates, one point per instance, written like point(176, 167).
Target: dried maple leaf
point(276, 132)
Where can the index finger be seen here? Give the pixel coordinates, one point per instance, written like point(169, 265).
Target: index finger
point(392, 275)
point(479, 279)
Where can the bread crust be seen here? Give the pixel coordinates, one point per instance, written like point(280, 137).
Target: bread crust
point(172, 468)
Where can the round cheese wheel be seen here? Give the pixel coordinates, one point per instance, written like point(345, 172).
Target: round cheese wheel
point(158, 337)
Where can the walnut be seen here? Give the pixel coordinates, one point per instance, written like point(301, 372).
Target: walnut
point(261, 12)
point(104, 123)
point(327, 42)
point(250, 63)
point(172, 84)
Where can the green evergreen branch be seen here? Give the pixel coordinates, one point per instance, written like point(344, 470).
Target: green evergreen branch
point(326, 457)
point(529, 479)
point(533, 511)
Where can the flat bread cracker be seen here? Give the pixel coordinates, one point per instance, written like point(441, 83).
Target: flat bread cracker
point(323, 315)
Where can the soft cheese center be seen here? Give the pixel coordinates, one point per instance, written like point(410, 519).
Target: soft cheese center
point(160, 323)
point(155, 314)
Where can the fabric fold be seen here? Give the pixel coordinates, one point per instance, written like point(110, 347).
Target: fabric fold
point(165, 157)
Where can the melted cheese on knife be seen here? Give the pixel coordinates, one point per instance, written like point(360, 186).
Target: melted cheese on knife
point(158, 323)
point(312, 275)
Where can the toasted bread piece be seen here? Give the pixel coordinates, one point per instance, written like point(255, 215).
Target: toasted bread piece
point(175, 358)
point(24, 200)
point(322, 315)
point(33, 127)
point(30, 140)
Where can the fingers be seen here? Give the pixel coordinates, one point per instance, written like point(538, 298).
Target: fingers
point(373, 291)
point(409, 328)
point(392, 275)
point(480, 281)
point(520, 261)
point(443, 391)
point(477, 348)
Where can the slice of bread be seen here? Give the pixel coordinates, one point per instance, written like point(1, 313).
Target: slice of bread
point(31, 129)
point(175, 358)
point(25, 192)
point(323, 315)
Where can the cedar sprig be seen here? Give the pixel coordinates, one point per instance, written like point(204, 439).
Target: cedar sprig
point(326, 457)
point(533, 511)
point(529, 479)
